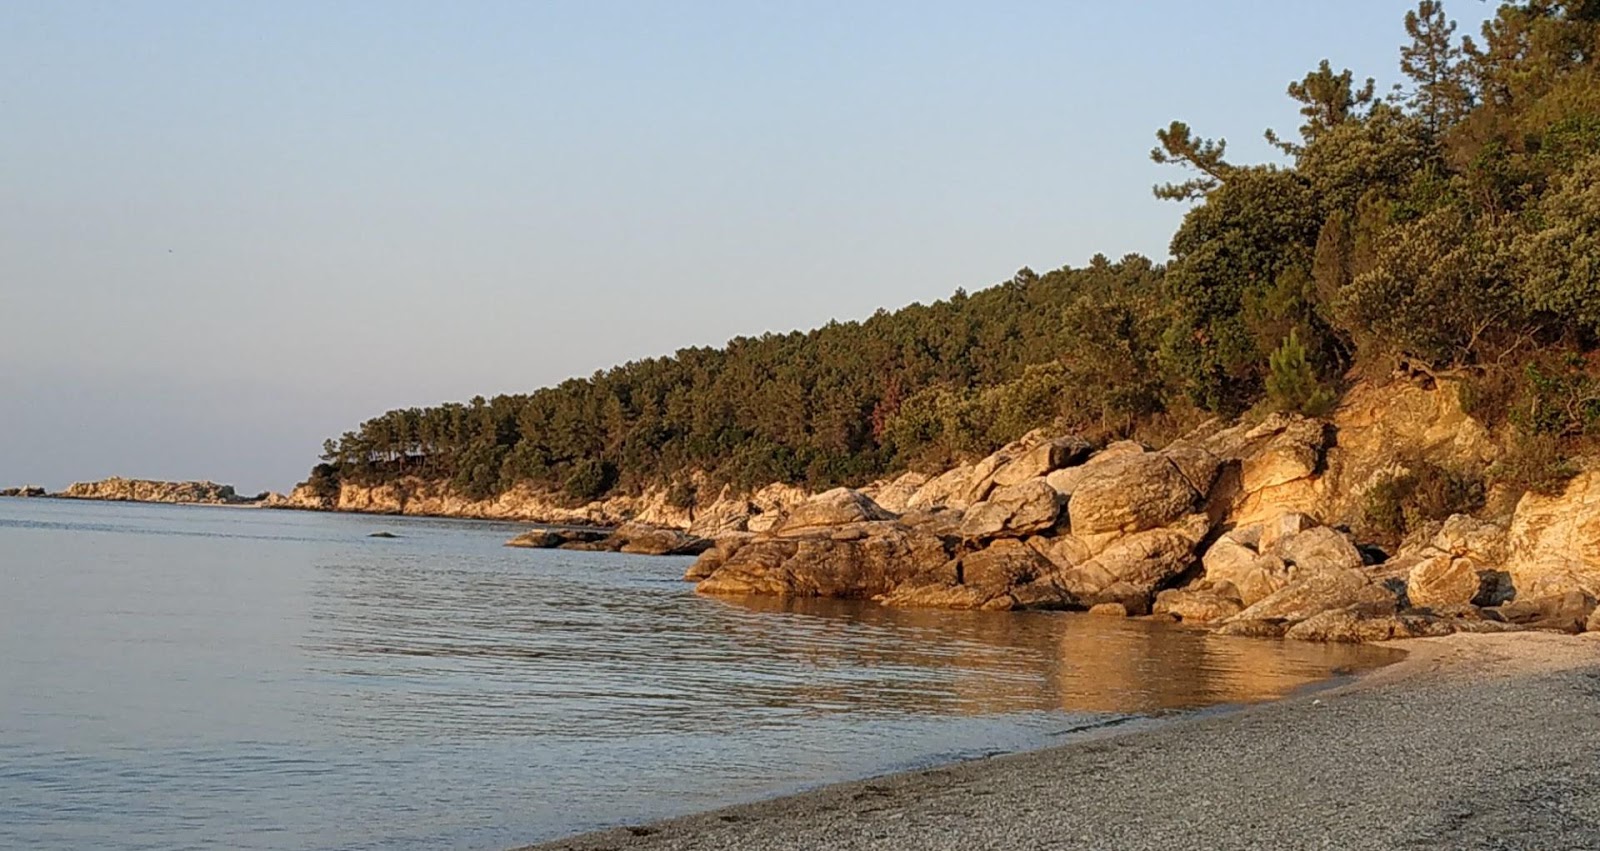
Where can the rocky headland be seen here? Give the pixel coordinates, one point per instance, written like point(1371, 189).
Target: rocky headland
point(118, 489)
point(1244, 528)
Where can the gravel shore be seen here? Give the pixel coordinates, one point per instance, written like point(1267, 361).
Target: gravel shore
point(1471, 742)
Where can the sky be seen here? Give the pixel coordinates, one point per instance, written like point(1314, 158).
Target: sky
point(229, 230)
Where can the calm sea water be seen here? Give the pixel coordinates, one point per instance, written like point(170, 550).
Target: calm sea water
point(186, 677)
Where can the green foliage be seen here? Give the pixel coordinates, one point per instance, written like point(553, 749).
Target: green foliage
point(1292, 383)
point(1560, 398)
point(590, 479)
point(1536, 463)
point(1422, 494)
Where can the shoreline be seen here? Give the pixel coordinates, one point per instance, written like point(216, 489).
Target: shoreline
point(1470, 741)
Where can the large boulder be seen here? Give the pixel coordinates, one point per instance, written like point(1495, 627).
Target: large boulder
point(838, 507)
point(1196, 606)
point(1554, 541)
point(643, 539)
point(895, 496)
point(1315, 593)
point(1066, 480)
point(1013, 511)
point(1319, 549)
point(946, 490)
point(862, 561)
point(983, 578)
point(1366, 622)
point(1042, 460)
point(1442, 581)
point(1247, 575)
point(1147, 561)
point(1569, 611)
point(544, 538)
point(1131, 493)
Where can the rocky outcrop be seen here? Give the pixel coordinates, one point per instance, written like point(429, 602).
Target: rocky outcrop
point(635, 538)
point(724, 513)
point(1554, 541)
point(23, 491)
point(144, 490)
point(988, 537)
point(864, 560)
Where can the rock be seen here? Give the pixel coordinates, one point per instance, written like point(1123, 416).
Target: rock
point(999, 566)
point(719, 553)
point(605, 545)
point(642, 539)
point(1465, 536)
point(984, 578)
point(1274, 530)
point(1315, 593)
point(550, 538)
point(1566, 612)
point(838, 507)
point(383, 535)
point(1130, 493)
point(1198, 466)
point(1443, 581)
point(1366, 622)
point(1041, 460)
point(1134, 599)
point(29, 491)
point(1593, 624)
point(1321, 548)
point(1066, 480)
point(1554, 541)
point(895, 496)
point(1196, 606)
point(944, 522)
point(1111, 610)
point(1147, 560)
point(1013, 511)
point(820, 566)
point(1253, 628)
point(946, 490)
point(1252, 576)
point(1291, 448)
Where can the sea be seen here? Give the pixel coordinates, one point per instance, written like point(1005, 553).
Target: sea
point(177, 677)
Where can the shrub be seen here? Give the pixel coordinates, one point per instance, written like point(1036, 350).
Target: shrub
point(1533, 462)
point(1424, 493)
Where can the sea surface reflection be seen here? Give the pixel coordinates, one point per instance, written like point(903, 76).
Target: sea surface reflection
point(191, 677)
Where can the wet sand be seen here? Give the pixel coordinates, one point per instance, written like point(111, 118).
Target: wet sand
point(1471, 742)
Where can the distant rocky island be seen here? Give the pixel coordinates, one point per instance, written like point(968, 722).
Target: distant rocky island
point(117, 489)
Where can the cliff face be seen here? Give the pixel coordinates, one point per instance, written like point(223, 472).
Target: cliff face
point(143, 490)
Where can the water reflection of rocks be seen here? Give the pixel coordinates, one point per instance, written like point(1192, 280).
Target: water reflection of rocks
point(1001, 662)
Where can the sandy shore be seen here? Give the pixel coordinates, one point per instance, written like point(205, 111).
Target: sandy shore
point(1471, 742)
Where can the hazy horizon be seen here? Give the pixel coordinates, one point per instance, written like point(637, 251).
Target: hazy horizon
point(236, 230)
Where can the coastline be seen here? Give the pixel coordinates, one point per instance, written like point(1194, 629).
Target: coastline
point(1471, 741)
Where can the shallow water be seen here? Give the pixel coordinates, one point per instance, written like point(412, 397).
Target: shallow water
point(187, 677)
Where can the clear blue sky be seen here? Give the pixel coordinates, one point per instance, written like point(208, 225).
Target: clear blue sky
point(229, 230)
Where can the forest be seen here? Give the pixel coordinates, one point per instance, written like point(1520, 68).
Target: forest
point(1449, 227)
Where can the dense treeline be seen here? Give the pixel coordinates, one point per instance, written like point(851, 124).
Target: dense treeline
point(1449, 226)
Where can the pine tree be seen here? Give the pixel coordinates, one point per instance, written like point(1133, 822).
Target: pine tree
point(1434, 61)
point(1292, 383)
point(1326, 100)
